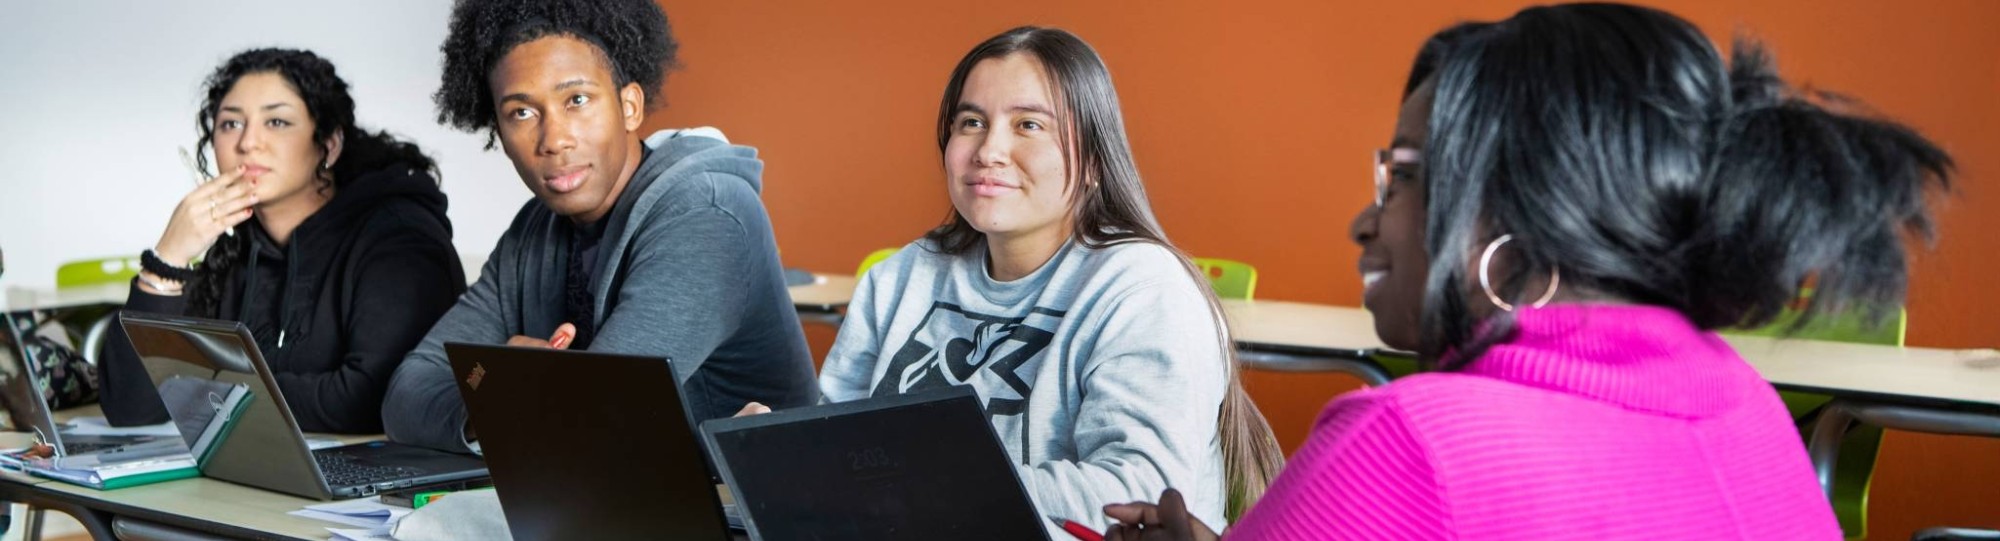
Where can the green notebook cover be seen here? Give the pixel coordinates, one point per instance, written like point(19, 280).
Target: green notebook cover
point(148, 478)
point(93, 477)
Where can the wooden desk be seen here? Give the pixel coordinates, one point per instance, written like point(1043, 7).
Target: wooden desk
point(1289, 336)
point(1937, 391)
point(1953, 378)
point(827, 293)
point(199, 504)
point(1302, 326)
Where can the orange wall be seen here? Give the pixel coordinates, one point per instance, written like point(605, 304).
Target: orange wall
point(1252, 123)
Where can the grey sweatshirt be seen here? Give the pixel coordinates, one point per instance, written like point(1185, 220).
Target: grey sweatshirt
point(1102, 372)
point(690, 272)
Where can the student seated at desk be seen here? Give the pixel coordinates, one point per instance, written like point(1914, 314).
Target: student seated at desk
point(1574, 200)
point(1099, 351)
point(657, 247)
point(340, 256)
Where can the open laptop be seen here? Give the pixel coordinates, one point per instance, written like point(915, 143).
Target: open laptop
point(21, 390)
point(916, 466)
point(587, 444)
point(265, 448)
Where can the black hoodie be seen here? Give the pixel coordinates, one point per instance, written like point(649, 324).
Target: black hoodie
point(334, 311)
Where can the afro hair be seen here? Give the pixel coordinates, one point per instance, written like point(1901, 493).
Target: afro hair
point(633, 36)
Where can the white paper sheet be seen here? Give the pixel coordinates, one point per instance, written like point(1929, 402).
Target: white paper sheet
point(97, 426)
point(345, 534)
point(368, 513)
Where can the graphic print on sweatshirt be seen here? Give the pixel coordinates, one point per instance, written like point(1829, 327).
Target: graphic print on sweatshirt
point(996, 355)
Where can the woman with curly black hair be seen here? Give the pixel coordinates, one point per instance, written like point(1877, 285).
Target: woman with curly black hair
point(329, 241)
point(1572, 201)
point(656, 247)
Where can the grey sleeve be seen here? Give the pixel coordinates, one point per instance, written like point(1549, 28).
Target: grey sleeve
point(1152, 389)
point(687, 286)
point(849, 370)
point(422, 406)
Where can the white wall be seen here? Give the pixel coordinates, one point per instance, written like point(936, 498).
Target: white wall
point(97, 95)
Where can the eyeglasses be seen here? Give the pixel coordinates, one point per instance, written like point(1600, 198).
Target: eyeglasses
point(1386, 160)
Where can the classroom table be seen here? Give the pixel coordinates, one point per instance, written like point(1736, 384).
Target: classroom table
point(822, 300)
point(1937, 391)
point(198, 508)
point(182, 509)
point(1289, 336)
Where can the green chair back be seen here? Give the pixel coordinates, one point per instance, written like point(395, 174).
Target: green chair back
point(92, 272)
point(88, 326)
point(1231, 279)
point(873, 258)
point(1859, 449)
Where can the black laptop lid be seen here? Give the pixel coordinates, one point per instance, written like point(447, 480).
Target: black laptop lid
point(587, 445)
point(916, 466)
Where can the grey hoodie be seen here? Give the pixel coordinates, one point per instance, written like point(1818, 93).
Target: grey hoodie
point(1102, 372)
point(690, 272)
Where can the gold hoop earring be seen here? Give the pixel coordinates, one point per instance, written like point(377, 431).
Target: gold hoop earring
point(1486, 259)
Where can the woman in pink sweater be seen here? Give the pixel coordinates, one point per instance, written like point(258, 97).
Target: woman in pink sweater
point(1573, 200)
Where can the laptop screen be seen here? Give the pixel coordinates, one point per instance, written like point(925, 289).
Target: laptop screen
point(26, 409)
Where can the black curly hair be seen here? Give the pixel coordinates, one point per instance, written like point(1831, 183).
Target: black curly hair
point(633, 36)
point(332, 110)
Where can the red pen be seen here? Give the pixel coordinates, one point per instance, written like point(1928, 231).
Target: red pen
point(561, 339)
point(1079, 531)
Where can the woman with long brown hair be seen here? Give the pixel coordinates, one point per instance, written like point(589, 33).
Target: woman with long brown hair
point(1099, 351)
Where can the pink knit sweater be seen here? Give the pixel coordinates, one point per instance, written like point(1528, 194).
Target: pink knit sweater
point(1593, 422)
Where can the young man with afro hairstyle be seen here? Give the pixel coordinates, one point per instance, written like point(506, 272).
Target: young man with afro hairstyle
point(652, 246)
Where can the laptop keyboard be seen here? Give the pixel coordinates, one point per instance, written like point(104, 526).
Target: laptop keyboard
point(341, 470)
point(90, 447)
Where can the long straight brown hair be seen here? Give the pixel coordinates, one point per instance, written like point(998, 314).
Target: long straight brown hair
point(1115, 211)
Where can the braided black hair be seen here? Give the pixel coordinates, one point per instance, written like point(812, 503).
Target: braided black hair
point(632, 35)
